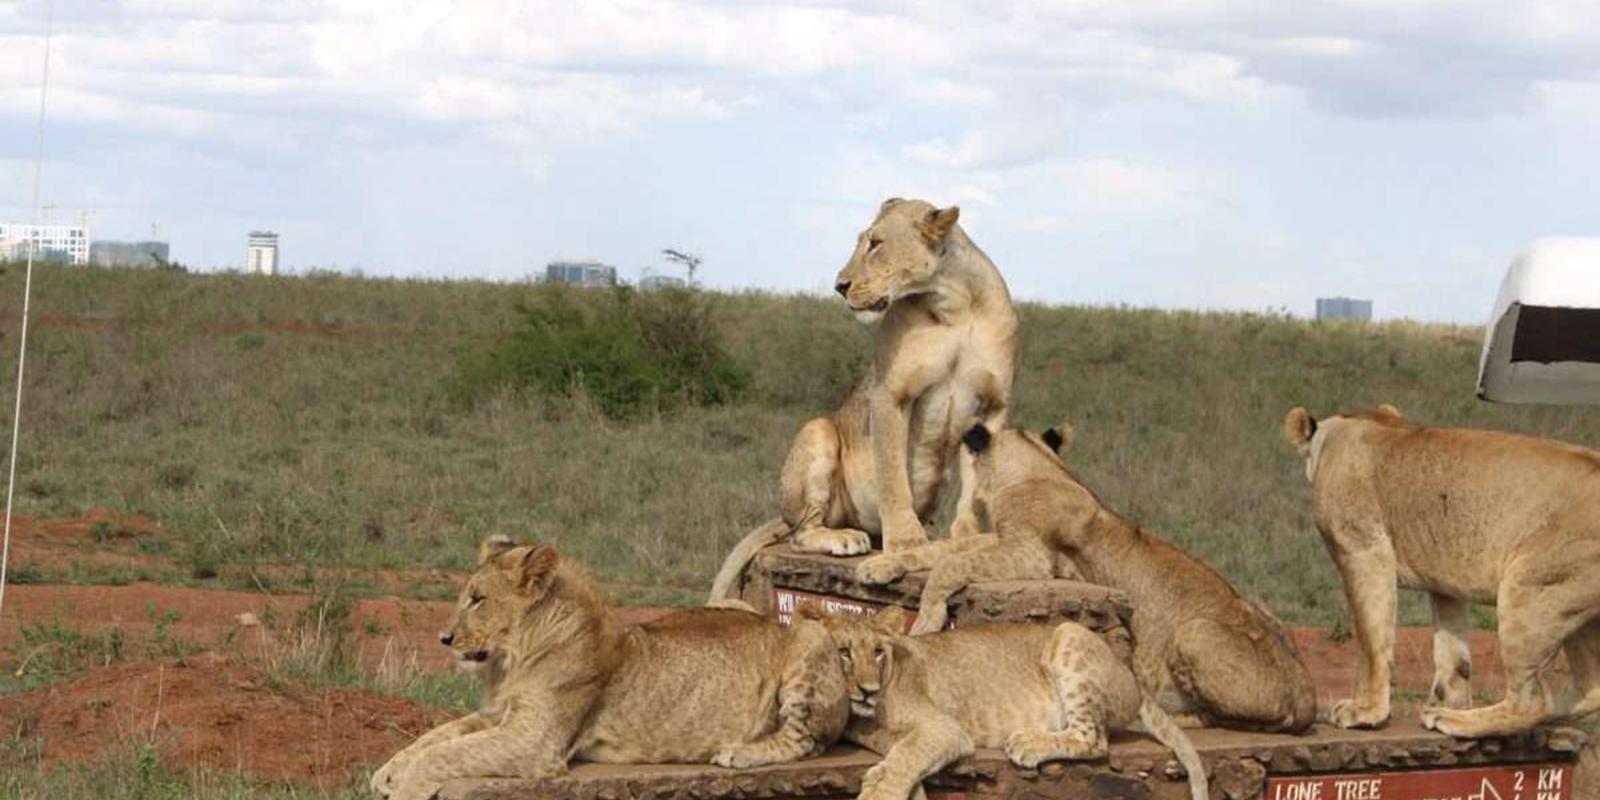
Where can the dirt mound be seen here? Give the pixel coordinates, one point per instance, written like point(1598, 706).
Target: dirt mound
point(216, 711)
point(99, 525)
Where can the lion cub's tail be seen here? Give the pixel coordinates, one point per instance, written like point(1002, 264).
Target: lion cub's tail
point(1161, 725)
point(730, 576)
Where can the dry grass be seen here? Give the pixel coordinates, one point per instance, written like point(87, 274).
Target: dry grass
point(306, 421)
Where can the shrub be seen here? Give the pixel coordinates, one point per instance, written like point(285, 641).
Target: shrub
point(627, 352)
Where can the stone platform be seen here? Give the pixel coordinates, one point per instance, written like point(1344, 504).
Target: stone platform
point(1242, 766)
point(1400, 762)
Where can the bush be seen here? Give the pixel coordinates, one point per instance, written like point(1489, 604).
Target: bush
point(627, 352)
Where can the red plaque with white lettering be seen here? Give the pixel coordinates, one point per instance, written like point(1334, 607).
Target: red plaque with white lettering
point(790, 599)
point(1529, 782)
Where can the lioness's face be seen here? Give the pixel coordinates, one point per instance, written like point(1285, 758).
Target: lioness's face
point(510, 581)
point(897, 256)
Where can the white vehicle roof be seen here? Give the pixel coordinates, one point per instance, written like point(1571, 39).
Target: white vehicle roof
point(1543, 340)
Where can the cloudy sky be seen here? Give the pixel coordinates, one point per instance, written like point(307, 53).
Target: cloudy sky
point(1243, 154)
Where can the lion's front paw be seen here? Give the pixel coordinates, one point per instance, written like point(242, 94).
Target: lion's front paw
point(899, 535)
point(930, 621)
point(850, 543)
point(382, 782)
point(736, 756)
point(875, 785)
point(879, 570)
point(1351, 713)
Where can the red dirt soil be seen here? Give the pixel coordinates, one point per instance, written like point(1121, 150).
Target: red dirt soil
point(216, 711)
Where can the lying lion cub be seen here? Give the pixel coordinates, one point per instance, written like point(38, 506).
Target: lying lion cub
point(1043, 693)
point(945, 353)
point(1467, 516)
point(566, 679)
point(1199, 646)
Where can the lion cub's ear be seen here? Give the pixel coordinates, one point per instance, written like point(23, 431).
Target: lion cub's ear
point(891, 620)
point(1298, 428)
point(976, 438)
point(1058, 438)
point(937, 224)
point(494, 544)
point(813, 611)
point(531, 571)
point(1388, 410)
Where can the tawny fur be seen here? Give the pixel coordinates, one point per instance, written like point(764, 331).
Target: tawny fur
point(944, 354)
point(954, 564)
point(565, 679)
point(1200, 647)
point(1467, 516)
point(1042, 693)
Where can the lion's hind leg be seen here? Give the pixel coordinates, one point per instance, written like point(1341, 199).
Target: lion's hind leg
point(1452, 652)
point(1093, 691)
point(1540, 604)
point(807, 487)
point(1233, 679)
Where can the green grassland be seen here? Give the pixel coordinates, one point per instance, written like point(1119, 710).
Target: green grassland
point(316, 421)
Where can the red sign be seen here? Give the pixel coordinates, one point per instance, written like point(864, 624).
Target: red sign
point(791, 599)
point(1530, 782)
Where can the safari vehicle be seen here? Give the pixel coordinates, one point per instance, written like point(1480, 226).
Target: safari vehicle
point(1542, 346)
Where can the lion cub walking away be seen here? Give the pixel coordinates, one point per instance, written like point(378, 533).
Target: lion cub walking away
point(565, 679)
point(1199, 646)
point(944, 354)
point(1042, 693)
point(1467, 516)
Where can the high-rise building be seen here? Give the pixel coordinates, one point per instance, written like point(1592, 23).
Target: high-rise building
point(581, 273)
point(1344, 308)
point(261, 253)
point(128, 254)
point(66, 243)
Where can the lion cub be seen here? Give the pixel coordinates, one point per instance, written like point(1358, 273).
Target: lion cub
point(1199, 646)
point(1043, 693)
point(1467, 516)
point(566, 679)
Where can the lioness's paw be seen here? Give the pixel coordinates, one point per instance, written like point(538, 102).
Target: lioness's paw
point(1358, 714)
point(738, 756)
point(1451, 695)
point(849, 543)
point(879, 570)
point(1029, 749)
point(875, 785)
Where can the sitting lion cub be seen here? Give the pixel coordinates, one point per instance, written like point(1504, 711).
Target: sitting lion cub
point(1467, 516)
point(1199, 646)
point(566, 679)
point(1043, 693)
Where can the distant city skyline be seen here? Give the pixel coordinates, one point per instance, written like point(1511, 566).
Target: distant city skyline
point(1239, 154)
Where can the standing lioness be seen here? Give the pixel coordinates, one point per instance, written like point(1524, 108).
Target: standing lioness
point(945, 354)
point(1467, 516)
point(566, 680)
